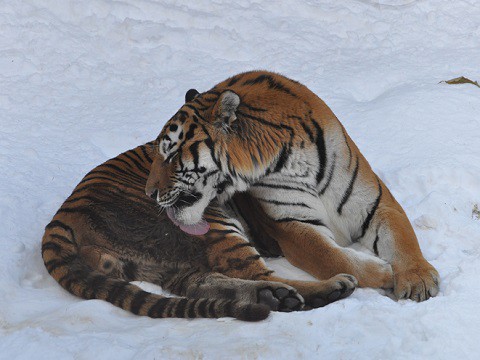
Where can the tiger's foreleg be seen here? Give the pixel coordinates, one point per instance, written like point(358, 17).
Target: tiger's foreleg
point(313, 249)
point(305, 239)
point(393, 239)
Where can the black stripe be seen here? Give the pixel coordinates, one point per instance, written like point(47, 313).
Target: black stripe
point(253, 108)
point(306, 221)
point(375, 245)
point(80, 198)
point(138, 301)
point(145, 153)
point(96, 172)
point(224, 223)
point(349, 190)
point(215, 211)
point(330, 174)
point(272, 84)
point(266, 122)
point(67, 280)
point(196, 115)
point(126, 172)
point(233, 80)
point(211, 311)
point(223, 231)
point(85, 210)
point(62, 238)
point(348, 146)
point(322, 152)
point(236, 247)
point(190, 132)
point(103, 179)
point(372, 211)
point(191, 308)
point(227, 182)
point(119, 290)
point(194, 151)
point(182, 115)
point(125, 162)
point(49, 245)
point(282, 159)
point(295, 117)
point(130, 270)
point(139, 166)
point(276, 202)
point(198, 100)
point(157, 309)
point(58, 223)
point(180, 308)
point(241, 263)
point(123, 171)
point(95, 284)
point(212, 92)
point(123, 178)
point(308, 132)
point(228, 309)
point(209, 143)
point(118, 193)
point(56, 263)
point(135, 153)
point(202, 308)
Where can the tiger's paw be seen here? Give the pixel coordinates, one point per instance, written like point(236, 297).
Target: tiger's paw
point(419, 283)
point(337, 287)
point(280, 298)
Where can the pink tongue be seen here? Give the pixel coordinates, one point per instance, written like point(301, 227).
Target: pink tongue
point(200, 228)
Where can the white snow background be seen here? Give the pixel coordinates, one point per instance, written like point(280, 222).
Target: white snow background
point(81, 81)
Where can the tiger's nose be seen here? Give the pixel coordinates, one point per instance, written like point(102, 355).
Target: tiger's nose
point(153, 193)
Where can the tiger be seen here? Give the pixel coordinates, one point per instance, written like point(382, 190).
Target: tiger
point(257, 166)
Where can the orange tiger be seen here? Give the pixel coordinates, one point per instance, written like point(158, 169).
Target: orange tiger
point(256, 165)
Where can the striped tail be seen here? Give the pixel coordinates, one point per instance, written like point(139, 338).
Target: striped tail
point(62, 260)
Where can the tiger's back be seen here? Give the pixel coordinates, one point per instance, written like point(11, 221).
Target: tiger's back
point(108, 233)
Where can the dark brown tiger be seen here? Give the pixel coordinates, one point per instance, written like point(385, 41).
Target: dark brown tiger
point(258, 164)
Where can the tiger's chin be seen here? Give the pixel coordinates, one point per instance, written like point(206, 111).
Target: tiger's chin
point(192, 225)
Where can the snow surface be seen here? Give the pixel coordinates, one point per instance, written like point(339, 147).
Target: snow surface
point(81, 81)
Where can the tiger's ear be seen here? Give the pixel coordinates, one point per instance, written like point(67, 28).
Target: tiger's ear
point(225, 109)
point(191, 94)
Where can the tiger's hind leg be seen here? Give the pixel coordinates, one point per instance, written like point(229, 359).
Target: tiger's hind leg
point(276, 295)
point(197, 282)
point(230, 253)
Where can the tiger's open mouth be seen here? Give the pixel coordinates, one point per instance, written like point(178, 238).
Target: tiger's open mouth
point(200, 228)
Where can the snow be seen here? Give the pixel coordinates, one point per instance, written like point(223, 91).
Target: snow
point(81, 81)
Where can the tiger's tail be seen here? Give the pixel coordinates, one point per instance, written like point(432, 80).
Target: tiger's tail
point(63, 262)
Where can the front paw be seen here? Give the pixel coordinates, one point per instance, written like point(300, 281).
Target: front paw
point(416, 283)
point(333, 289)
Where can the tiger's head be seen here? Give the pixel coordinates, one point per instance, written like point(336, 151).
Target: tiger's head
point(190, 168)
